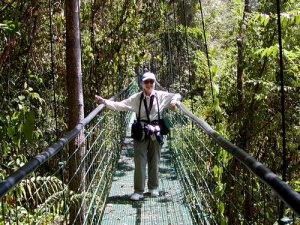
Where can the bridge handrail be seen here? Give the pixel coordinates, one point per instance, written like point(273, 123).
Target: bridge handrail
point(285, 192)
point(12, 180)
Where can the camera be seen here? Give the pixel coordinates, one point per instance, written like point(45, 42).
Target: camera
point(154, 129)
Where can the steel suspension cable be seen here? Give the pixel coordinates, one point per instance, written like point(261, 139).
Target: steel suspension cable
point(52, 66)
point(54, 93)
point(283, 126)
point(176, 44)
point(207, 57)
point(188, 54)
point(171, 74)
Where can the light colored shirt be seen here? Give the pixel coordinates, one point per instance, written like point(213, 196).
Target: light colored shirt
point(133, 103)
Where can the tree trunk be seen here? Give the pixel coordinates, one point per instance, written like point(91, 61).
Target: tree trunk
point(76, 108)
point(243, 135)
point(242, 131)
point(240, 58)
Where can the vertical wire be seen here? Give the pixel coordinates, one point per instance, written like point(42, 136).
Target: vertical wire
point(9, 216)
point(171, 74)
point(107, 74)
point(190, 82)
point(245, 186)
point(283, 127)
point(114, 77)
point(176, 44)
point(163, 36)
point(28, 205)
point(252, 197)
point(52, 69)
point(3, 210)
point(162, 58)
point(207, 58)
point(54, 97)
point(209, 69)
point(52, 66)
point(264, 202)
point(16, 202)
point(188, 56)
point(92, 39)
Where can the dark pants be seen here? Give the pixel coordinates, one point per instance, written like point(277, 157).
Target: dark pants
point(147, 150)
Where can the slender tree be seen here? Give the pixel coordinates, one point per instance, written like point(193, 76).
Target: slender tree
point(76, 106)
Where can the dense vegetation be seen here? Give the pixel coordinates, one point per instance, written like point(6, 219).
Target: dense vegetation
point(239, 94)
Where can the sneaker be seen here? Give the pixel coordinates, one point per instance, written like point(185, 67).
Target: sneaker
point(136, 196)
point(154, 193)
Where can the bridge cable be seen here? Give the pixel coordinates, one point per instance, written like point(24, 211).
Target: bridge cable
point(177, 56)
point(209, 66)
point(61, 164)
point(167, 38)
point(187, 53)
point(52, 66)
point(166, 45)
point(169, 52)
point(283, 127)
point(195, 203)
point(207, 58)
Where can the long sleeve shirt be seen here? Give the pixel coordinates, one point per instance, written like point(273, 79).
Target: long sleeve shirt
point(133, 103)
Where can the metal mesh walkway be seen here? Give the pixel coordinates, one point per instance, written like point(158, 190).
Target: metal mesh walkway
point(168, 208)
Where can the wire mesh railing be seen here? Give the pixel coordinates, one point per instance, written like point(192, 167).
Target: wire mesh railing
point(222, 183)
point(40, 192)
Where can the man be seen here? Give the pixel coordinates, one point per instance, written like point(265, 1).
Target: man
point(147, 104)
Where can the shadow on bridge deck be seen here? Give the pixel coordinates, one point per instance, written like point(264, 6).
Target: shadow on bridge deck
point(168, 209)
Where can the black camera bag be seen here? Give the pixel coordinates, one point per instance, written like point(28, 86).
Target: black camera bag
point(137, 130)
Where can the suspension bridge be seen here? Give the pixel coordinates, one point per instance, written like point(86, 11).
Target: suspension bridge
point(204, 178)
point(193, 171)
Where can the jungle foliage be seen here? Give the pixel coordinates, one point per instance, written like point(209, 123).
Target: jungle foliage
point(238, 93)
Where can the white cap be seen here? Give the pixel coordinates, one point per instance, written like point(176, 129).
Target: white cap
point(148, 76)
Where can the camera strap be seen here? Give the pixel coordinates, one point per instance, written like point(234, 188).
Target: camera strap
point(139, 115)
point(150, 107)
point(157, 106)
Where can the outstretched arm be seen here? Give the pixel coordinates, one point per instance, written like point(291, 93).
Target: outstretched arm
point(169, 100)
point(128, 104)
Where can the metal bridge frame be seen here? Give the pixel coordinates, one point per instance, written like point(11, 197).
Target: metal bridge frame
point(285, 193)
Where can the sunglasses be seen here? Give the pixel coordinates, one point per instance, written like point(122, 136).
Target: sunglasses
point(148, 81)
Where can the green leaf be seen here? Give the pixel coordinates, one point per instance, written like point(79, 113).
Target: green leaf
point(214, 70)
point(34, 95)
point(29, 125)
point(221, 207)
point(15, 115)
point(11, 131)
point(297, 19)
point(17, 140)
point(21, 97)
point(216, 170)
